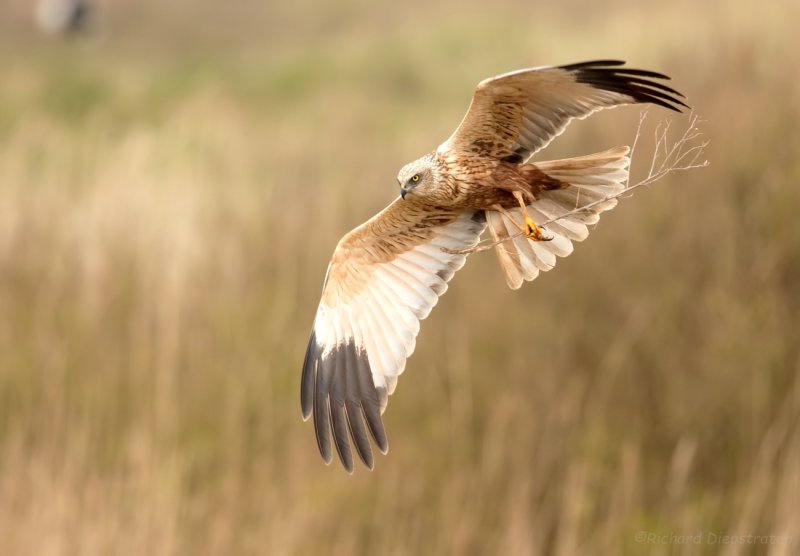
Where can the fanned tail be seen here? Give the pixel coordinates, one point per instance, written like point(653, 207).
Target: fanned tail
point(592, 179)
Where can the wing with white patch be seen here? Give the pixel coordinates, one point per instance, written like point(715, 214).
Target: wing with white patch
point(384, 278)
point(516, 114)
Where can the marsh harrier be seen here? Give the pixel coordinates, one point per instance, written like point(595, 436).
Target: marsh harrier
point(387, 274)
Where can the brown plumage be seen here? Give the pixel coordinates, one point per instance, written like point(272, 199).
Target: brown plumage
point(387, 274)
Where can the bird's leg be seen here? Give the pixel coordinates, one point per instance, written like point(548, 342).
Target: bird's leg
point(526, 229)
point(531, 230)
point(504, 212)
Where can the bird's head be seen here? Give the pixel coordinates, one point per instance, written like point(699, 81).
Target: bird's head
point(417, 178)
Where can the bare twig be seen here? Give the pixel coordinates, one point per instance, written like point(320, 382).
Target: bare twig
point(642, 118)
point(683, 154)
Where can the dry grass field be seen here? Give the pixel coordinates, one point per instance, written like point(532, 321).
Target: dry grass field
point(171, 189)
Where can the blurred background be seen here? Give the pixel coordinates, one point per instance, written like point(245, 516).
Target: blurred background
point(173, 180)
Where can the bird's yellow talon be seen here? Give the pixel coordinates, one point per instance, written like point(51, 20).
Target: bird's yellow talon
point(532, 231)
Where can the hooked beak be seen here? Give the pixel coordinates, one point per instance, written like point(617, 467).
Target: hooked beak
point(404, 190)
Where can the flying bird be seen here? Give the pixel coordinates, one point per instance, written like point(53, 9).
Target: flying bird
point(388, 273)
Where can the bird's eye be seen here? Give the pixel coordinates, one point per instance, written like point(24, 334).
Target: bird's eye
point(415, 178)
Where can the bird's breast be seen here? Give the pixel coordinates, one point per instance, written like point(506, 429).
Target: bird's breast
point(480, 184)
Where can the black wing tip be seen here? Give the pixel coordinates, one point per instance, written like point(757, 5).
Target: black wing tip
point(338, 391)
point(308, 378)
point(325, 452)
point(321, 427)
point(340, 435)
point(637, 83)
point(372, 412)
point(336, 407)
point(347, 461)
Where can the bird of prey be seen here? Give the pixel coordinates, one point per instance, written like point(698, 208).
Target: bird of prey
point(387, 274)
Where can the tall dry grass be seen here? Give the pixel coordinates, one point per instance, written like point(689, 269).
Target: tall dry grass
point(165, 223)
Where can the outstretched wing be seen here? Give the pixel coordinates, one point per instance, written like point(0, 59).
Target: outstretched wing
point(516, 114)
point(385, 276)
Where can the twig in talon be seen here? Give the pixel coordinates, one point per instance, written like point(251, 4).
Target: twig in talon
point(467, 251)
point(642, 118)
point(481, 248)
point(673, 161)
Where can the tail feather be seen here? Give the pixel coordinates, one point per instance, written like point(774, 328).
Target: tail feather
point(592, 179)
